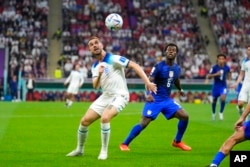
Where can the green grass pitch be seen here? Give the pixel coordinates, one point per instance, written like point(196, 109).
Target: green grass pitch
point(41, 134)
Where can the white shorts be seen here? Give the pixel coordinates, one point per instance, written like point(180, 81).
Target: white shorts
point(73, 89)
point(117, 100)
point(244, 94)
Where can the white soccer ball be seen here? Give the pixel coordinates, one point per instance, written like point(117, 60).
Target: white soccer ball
point(114, 22)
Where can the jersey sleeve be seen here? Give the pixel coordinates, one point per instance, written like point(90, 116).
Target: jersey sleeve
point(212, 70)
point(120, 61)
point(243, 67)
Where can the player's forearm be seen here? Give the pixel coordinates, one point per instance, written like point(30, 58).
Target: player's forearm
point(178, 84)
point(139, 71)
point(239, 78)
point(96, 82)
point(246, 111)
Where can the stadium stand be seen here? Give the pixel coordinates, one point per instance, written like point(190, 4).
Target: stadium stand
point(24, 32)
point(148, 26)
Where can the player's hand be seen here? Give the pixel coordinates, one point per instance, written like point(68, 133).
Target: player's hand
point(101, 68)
point(151, 87)
point(182, 93)
point(239, 123)
point(150, 98)
point(217, 74)
point(65, 84)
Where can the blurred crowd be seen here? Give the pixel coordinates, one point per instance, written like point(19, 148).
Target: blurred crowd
point(231, 25)
point(148, 26)
point(23, 29)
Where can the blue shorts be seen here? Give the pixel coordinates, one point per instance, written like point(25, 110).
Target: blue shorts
point(218, 91)
point(167, 107)
point(246, 127)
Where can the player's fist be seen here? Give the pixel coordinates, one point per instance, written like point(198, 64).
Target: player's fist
point(102, 66)
point(150, 98)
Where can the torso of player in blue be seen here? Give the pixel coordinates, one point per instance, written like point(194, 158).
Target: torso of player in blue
point(164, 77)
point(220, 82)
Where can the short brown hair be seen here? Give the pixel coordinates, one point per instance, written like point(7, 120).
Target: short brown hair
point(93, 37)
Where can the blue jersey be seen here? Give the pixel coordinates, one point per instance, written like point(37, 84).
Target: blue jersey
point(164, 77)
point(220, 82)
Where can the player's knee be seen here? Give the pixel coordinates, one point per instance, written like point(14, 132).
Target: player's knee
point(240, 104)
point(85, 122)
point(105, 119)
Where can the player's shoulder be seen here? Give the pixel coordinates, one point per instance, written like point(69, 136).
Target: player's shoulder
point(245, 60)
point(94, 65)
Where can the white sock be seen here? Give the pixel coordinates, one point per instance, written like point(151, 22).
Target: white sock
point(70, 102)
point(81, 137)
point(240, 109)
point(105, 134)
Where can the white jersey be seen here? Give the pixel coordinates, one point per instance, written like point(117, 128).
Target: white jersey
point(113, 79)
point(244, 94)
point(245, 66)
point(75, 79)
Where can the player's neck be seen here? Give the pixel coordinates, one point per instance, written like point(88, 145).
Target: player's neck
point(101, 56)
point(169, 62)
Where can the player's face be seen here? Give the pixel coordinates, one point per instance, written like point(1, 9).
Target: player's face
point(221, 60)
point(171, 52)
point(95, 46)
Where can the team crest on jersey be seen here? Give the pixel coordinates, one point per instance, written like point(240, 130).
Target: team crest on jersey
point(171, 73)
point(149, 112)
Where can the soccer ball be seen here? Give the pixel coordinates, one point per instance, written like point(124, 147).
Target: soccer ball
point(114, 22)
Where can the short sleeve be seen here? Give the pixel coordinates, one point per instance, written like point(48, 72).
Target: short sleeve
point(120, 61)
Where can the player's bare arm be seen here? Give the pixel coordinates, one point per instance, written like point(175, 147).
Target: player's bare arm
point(243, 117)
point(149, 85)
point(177, 84)
point(148, 96)
point(240, 78)
point(209, 76)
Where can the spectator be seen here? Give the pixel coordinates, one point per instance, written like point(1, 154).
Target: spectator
point(44, 96)
point(13, 87)
point(58, 34)
point(50, 96)
point(58, 96)
point(30, 84)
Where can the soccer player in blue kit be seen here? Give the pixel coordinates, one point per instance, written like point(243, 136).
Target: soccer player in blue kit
point(165, 74)
point(241, 134)
point(220, 72)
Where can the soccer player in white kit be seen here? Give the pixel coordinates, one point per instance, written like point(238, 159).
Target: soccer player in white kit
point(75, 81)
point(244, 94)
point(107, 73)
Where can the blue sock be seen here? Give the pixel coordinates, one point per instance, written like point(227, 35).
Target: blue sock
point(213, 107)
point(182, 126)
point(136, 130)
point(222, 106)
point(218, 158)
